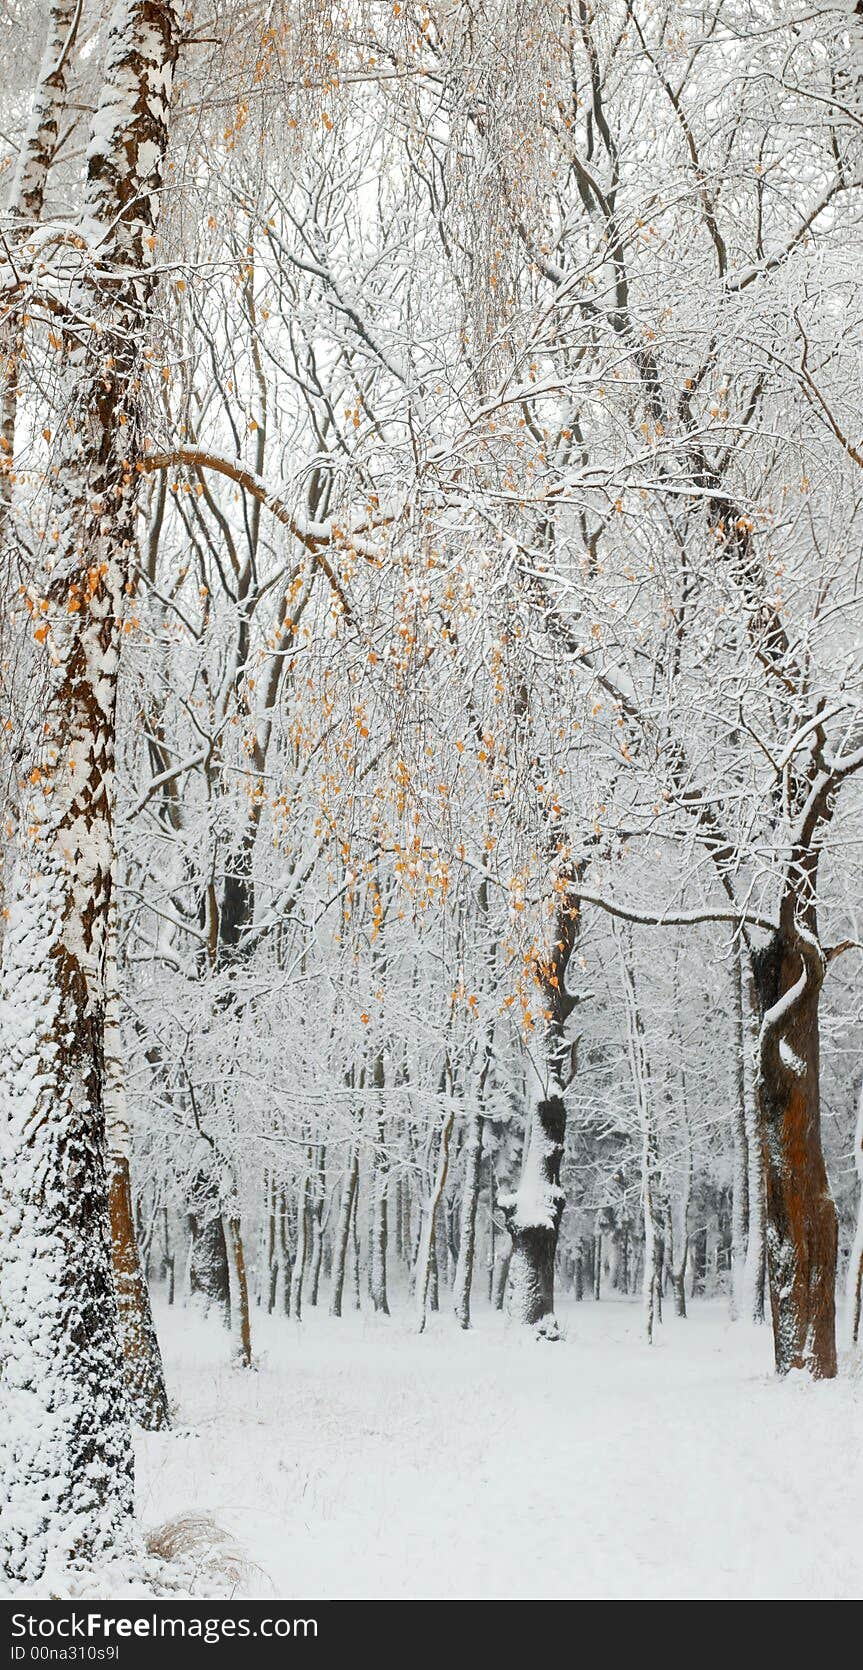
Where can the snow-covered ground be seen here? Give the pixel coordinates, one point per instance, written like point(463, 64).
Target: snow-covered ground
point(363, 1461)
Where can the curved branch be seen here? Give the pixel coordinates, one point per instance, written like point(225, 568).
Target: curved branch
point(314, 539)
point(683, 919)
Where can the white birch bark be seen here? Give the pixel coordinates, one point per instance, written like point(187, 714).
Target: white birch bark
point(67, 1461)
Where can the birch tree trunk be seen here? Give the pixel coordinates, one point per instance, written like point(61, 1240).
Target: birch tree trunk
point(467, 1242)
point(426, 1256)
point(145, 1376)
point(68, 1456)
point(26, 200)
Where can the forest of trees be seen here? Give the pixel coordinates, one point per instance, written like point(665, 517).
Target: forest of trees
point(431, 683)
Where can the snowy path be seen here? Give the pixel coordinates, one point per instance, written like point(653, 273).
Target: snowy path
point(361, 1461)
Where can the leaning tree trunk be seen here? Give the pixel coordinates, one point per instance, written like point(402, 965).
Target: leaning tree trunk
point(801, 1217)
point(145, 1376)
point(343, 1231)
point(68, 1455)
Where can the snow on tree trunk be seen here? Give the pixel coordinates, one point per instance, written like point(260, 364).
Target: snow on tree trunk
point(378, 1214)
point(145, 1376)
point(67, 1445)
point(467, 1242)
point(740, 1167)
point(654, 1248)
point(209, 1275)
point(67, 1457)
point(678, 1238)
point(299, 1266)
point(756, 1240)
point(801, 1217)
point(317, 1222)
point(500, 1278)
point(426, 1257)
point(533, 1213)
point(356, 1261)
point(282, 1279)
point(378, 1261)
point(855, 1264)
point(651, 1179)
point(40, 139)
point(26, 199)
point(680, 1228)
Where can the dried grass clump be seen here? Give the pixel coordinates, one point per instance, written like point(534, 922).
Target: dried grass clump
point(202, 1550)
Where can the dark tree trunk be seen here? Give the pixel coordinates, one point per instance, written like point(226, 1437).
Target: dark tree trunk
point(801, 1217)
point(284, 1255)
point(407, 1248)
point(492, 1236)
point(356, 1261)
point(467, 1244)
point(343, 1231)
point(699, 1261)
point(578, 1273)
point(378, 1213)
point(317, 1220)
point(169, 1262)
point(232, 1236)
point(434, 1283)
point(208, 1265)
point(298, 1271)
point(501, 1277)
point(534, 1245)
point(272, 1263)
